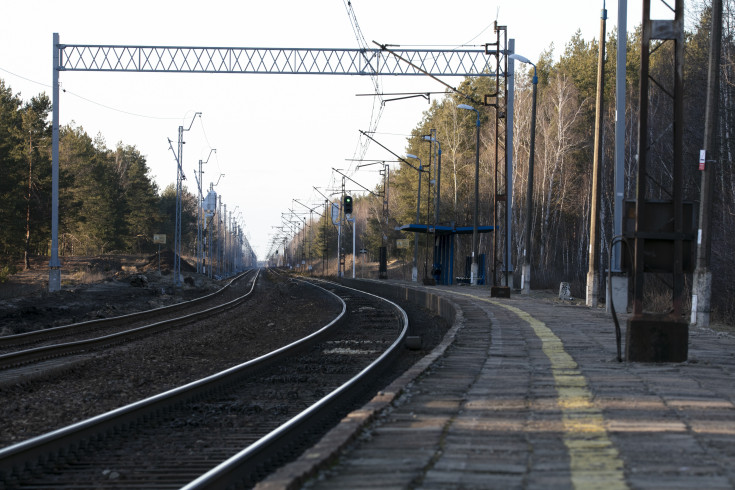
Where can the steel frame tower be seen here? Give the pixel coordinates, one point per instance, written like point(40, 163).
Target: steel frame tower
point(660, 231)
point(190, 59)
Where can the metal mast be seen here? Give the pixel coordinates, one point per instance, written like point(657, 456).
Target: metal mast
point(191, 59)
point(660, 232)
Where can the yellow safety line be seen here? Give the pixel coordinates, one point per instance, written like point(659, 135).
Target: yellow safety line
point(593, 460)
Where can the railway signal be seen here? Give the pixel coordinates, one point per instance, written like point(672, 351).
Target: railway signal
point(348, 205)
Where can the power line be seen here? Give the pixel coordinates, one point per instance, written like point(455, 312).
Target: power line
point(87, 99)
point(118, 110)
point(25, 78)
point(363, 144)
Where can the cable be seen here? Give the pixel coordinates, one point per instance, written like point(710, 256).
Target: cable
point(618, 335)
point(363, 143)
point(206, 138)
point(25, 78)
point(117, 110)
point(88, 100)
point(478, 35)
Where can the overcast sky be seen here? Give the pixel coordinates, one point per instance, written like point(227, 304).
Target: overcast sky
point(277, 136)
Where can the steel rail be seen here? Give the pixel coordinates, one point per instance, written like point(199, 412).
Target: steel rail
point(19, 358)
point(7, 341)
point(235, 471)
point(47, 447)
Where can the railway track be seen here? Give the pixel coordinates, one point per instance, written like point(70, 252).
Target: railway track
point(228, 428)
point(101, 326)
point(23, 349)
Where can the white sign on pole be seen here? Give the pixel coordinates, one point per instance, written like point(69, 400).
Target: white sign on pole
point(335, 213)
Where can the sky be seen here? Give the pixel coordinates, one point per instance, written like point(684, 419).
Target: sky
point(276, 136)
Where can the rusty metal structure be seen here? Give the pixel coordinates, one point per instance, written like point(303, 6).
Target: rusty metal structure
point(502, 196)
point(661, 227)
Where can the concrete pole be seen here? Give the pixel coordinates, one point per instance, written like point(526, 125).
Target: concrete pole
point(593, 272)
point(510, 89)
point(200, 248)
point(526, 271)
point(415, 269)
point(619, 281)
point(54, 278)
point(702, 288)
point(476, 217)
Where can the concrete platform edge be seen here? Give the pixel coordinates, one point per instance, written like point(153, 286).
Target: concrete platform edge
point(321, 455)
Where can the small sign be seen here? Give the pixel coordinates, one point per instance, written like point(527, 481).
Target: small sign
point(335, 213)
point(363, 250)
point(403, 243)
point(702, 158)
point(161, 239)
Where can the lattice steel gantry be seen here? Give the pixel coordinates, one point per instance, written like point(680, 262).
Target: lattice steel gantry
point(289, 61)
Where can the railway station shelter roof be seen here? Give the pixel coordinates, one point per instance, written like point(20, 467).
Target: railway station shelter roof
point(443, 230)
point(443, 266)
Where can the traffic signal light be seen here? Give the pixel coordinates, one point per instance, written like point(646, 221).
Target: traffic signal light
point(348, 205)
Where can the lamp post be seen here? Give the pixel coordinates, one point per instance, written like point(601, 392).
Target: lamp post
point(437, 195)
point(311, 227)
point(438, 177)
point(526, 272)
point(414, 269)
point(473, 270)
point(200, 243)
point(179, 186)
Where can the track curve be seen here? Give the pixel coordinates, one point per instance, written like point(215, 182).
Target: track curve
point(168, 421)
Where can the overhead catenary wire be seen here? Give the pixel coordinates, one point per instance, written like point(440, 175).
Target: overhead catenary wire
point(87, 99)
point(376, 113)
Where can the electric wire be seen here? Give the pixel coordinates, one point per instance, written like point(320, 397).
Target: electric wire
point(376, 112)
point(25, 78)
point(116, 109)
point(206, 138)
point(86, 99)
point(618, 334)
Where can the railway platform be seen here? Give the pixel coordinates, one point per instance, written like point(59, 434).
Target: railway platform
point(527, 392)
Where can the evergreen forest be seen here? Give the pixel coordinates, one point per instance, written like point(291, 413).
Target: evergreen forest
point(110, 204)
point(564, 145)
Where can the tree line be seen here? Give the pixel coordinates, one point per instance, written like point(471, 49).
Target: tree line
point(563, 159)
point(108, 201)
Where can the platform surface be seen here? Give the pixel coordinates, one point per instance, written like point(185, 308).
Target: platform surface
point(527, 393)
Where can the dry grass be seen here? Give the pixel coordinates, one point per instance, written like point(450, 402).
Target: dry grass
point(85, 277)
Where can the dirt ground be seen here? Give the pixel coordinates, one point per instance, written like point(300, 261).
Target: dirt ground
point(95, 287)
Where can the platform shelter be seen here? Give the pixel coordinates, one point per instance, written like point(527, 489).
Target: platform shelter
point(443, 267)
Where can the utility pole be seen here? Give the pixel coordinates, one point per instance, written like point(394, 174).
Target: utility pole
point(179, 184)
point(200, 244)
point(593, 273)
point(340, 255)
point(619, 282)
point(54, 277)
point(327, 217)
point(26, 258)
point(225, 248)
point(702, 288)
point(219, 237)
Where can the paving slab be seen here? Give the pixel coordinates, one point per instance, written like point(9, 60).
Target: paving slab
point(528, 393)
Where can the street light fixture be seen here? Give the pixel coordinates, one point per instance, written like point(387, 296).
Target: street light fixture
point(437, 194)
point(415, 269)
point(473, 270)
point(526, 271)
point(438, 177)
